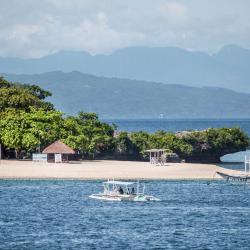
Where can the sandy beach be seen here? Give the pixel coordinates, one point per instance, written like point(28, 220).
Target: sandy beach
point(107, 169)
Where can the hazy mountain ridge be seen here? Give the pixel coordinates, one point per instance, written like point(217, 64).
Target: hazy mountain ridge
point(229, 68)
point(123, 98)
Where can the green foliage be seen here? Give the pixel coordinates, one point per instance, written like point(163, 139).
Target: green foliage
point(125, 148)
point(166, 140)
point(135, 144)
point(211, 144)
point(203, 146)
point(4, 83)
point(28, 122)
point(141, 142)
point(29, 130)
point(23, 97)
point(83, 116)
point(87, 134)
point(37, 91)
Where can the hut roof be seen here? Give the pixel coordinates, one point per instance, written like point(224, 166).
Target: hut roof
point(58, 147)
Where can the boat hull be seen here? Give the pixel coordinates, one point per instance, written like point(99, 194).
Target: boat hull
point(234, 178)
point(139, 198)
point(106, 198)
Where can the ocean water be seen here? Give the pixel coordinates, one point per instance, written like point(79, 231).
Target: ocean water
point(175, 125)
point(59, 215)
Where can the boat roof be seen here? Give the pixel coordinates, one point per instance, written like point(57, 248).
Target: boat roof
point(126, 183)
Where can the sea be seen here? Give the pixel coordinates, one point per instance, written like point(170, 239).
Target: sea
point(176, 125)
point(58, 214)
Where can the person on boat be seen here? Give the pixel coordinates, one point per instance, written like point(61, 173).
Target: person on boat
point(121, 190)
point(133, 190)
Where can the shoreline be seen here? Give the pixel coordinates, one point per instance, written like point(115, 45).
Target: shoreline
point(108, 169)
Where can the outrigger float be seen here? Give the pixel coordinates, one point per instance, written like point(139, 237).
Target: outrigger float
point(123, 191)
point(238, 177)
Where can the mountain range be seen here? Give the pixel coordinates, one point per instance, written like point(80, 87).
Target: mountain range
point(228, 68)
point(125, 98)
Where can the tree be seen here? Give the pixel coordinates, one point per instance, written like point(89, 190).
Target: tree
point(170, 141)
point(209, 145)
point(37, 91)
point(21, 130)
point(4, 83)
point(125, 148)
point(87, 134)
point(141, 142)
point(22, 96)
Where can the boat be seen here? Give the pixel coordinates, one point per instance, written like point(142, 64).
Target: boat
point(123, 191)
point(235, 178)
point(238, 177)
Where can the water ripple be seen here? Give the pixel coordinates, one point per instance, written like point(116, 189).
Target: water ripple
point(59, 215)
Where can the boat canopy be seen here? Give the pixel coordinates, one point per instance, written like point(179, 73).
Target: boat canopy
point(121, 183)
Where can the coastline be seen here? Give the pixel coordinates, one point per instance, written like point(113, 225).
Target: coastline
point(108, 169)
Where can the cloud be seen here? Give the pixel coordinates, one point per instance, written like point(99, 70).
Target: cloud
point(97, 36)
point(31, 28)
point(52, 34)
point(174, 11)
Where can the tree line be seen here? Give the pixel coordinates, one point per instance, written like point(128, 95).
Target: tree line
point(28, 123)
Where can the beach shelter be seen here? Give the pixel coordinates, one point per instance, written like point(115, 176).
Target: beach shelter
point(58, 152)
point(157, 156)
point(161, 156)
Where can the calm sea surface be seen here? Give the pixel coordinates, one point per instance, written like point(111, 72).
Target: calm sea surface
point(59, 215)
point(175, 125)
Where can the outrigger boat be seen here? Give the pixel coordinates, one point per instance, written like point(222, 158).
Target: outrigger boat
point(123, 191)
point(238, 177)
point(234, 178)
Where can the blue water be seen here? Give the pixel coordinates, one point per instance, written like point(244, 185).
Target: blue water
point(175, 125)
point(59, 215)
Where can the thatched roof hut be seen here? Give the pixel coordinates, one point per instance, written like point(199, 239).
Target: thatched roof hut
point(58, 147)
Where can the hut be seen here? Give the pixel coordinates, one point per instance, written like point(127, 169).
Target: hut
point(58, 152)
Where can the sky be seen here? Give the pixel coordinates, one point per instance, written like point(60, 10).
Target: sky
point(36, 28)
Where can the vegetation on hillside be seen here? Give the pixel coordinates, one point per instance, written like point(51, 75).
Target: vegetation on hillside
point(28, 123)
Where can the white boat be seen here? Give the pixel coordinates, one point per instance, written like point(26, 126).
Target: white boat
point(234, 178)
point(243, 177)
point(123, 191)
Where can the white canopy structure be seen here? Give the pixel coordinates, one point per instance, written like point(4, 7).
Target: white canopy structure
point(120, 183)
point(157, 156)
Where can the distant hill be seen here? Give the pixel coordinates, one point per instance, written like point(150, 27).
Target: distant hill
point(123, 98)
point(229, 68)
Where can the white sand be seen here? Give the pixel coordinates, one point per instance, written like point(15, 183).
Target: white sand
point(107, 169)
